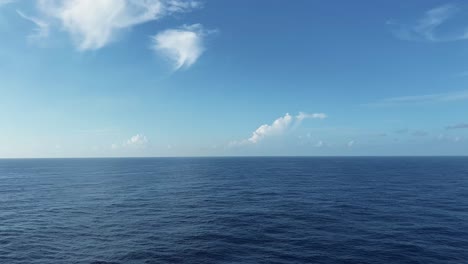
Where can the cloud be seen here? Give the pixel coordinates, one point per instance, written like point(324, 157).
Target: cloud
point(137, 141)
point(93, 24)
point(4, 2)
point(427, 98)
point(278, 127)
point(42, 28)
point(183, 46)
point(449, 138)
point(458, 126)
point(301, 116)
point(350, 143)
point(431, 26)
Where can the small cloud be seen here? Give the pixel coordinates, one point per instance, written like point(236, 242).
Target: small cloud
point(183, 46)
point(351, 143)
point(458, 126)
point(455, 139)
point(427, 98)
point(42, 28)
point(431, 26)
point(301, 116)
point(137, 141)
point(278, 127)
point(319, 144)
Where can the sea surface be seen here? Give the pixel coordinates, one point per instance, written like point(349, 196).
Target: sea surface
point(234, 210)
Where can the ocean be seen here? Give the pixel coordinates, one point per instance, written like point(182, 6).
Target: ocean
point(234, 210)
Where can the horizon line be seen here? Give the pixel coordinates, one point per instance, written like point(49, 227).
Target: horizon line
point(251, 156)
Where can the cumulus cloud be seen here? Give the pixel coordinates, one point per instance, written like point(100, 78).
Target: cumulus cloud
point(183, 46)
point(42, 27)
point(136, 141)
point(278, 127)
point(458, 126)
point(431, 26)
point(94, 23)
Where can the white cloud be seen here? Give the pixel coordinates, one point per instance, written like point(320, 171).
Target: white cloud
point(278, 127)
point(94, 23)
point(182, 46)
point(430, 27)
point(426, 98)
point(301, 116)
point(137, 141)
point(42, 27)
point(351, 143)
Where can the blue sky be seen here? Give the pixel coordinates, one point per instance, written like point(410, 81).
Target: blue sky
point(105, 78)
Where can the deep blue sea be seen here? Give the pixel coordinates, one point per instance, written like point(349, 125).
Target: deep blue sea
point(234, 210)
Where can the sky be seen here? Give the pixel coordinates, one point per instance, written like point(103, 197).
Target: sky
point(137, 78)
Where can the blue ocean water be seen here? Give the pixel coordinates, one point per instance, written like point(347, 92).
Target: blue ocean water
point(234, 210)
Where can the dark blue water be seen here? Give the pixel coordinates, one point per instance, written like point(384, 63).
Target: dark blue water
point(234, 210)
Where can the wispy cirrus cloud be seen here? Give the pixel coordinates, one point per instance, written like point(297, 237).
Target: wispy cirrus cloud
point(426, 98)
point(278, 127)
point(182, 46)
point(431, 26)
point(42, 28)
point(93, 24)
point(457, 126)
